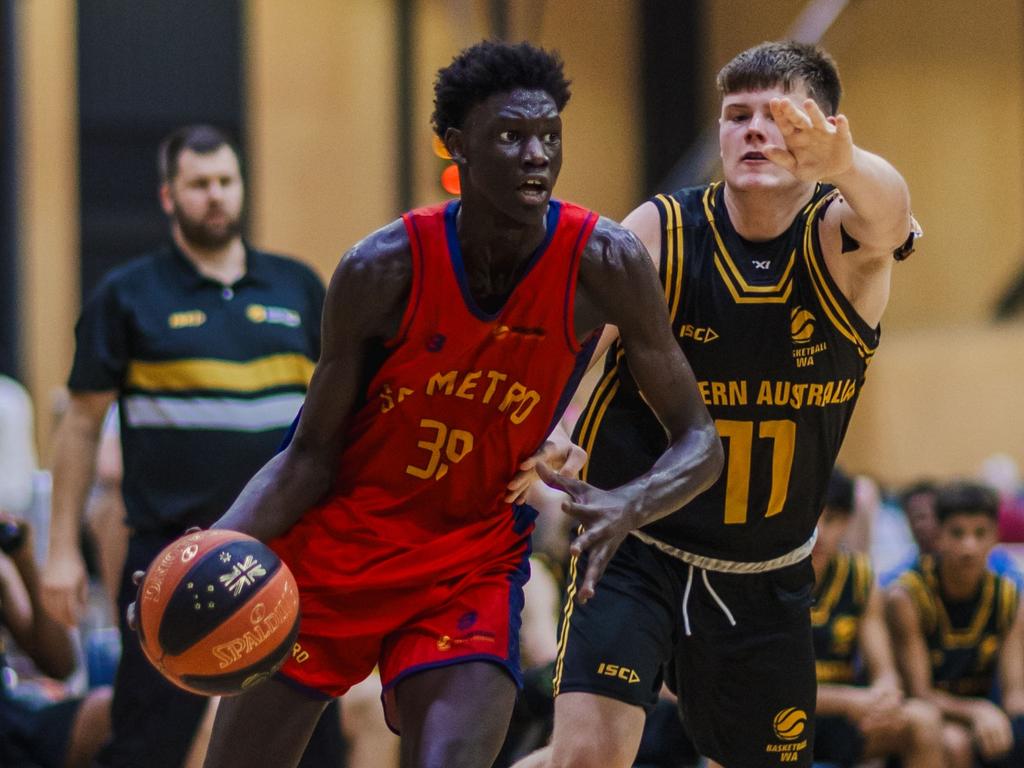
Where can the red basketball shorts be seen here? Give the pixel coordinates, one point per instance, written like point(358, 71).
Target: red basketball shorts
point(353, 624)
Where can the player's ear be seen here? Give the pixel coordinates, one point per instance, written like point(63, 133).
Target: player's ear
point(453, 142)
point(166, 201)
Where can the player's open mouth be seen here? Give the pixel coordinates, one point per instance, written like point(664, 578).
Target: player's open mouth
point(534, 190)
point(753, 157)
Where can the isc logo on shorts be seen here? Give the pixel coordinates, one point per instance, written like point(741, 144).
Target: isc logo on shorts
point(622, 673)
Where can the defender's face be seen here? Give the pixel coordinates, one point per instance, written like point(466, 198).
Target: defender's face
point(205, 197)
point(745, 126)
point(509, 152)
point(965, 541)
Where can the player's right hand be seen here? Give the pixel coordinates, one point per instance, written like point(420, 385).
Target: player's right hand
point(606, 522)
point(558, 452)
point(991, 729)
point(64, 588)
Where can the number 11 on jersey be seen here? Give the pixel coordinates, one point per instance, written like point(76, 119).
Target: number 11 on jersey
point(740, 434)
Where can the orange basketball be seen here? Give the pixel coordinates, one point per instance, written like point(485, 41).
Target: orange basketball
point(217, 612)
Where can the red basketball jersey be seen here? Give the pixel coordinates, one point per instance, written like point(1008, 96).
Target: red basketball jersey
point(461, 400)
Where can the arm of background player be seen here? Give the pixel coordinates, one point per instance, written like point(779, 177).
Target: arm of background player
point(64, 582)
point(303, 473)
point(619, 285)
point(1011, 666)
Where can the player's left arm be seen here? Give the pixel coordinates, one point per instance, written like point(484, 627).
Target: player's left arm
point(618, 285)
point(874, 208)
point(1011, 666)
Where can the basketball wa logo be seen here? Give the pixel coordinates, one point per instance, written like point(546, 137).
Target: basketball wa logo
point(789, 723)
point(801, 325)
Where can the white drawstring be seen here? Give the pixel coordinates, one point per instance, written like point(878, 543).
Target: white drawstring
point(686, 599)
point(711, 591)
point(722, 605)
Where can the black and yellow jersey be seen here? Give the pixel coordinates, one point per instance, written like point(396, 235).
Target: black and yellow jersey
point(963, 637)
point(840, 599)
point(780, 357)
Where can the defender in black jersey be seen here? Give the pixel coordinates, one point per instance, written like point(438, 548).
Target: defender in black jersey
point(775, 280)
point(862, 711)
point(959, 632)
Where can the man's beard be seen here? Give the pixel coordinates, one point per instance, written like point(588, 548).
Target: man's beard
point(203, 235)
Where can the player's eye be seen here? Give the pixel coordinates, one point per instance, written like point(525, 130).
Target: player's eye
point(552, 137)
point(509, 136)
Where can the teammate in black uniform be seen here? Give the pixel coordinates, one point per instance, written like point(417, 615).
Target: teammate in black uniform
point(861, 708)
point(776, 280)
point(959, 633)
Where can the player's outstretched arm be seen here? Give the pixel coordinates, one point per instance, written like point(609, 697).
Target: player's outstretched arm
point(618, 285)
point(365, 301)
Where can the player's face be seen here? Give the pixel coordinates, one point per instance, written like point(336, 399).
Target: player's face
point(206, 196)
point(509, 152)
point(745, 126)
point(923, 522)
point(965, 541)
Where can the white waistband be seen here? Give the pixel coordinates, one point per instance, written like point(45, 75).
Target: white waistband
point(732, 566)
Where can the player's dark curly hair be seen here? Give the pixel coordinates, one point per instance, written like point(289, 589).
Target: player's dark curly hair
point(491, 67)
point(966, 498)
point(788, 64)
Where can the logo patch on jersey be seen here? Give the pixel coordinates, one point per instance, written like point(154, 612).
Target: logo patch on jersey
point(762, 264)
point(447, 642)
point(192, 318)
point(260, 313)
point(702, 335)
point(435, 342)
point(801, 325)
point(789, 725)
point(504, 331)
point(618, 672)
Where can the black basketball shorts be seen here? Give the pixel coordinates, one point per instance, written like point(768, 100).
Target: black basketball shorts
point(735, 648)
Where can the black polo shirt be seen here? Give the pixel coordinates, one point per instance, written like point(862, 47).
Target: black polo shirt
point(209, 376)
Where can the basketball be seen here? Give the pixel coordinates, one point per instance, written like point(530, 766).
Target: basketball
point(217, 612)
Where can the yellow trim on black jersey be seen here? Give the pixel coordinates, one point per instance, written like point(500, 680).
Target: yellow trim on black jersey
point(604, 393)
point(286, 369)
point(672, 251)
point(863, 578)
point(563, 637)
point(815, 268)
point(963, 638)
point(1007, 603)
point(822, 610)
point(921, 597)
point(731, 275)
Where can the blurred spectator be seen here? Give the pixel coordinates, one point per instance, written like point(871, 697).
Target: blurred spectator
point(17, 447)
point(959, 633)
point(33, 733)
point(918, 504)
point(854, 720)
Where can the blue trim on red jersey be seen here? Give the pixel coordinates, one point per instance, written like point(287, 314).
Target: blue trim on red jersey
point(455, 251)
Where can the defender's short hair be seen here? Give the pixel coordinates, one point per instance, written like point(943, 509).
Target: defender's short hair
point(786, 63)
point(839, 492)
point(200, 138)
point(491, 67)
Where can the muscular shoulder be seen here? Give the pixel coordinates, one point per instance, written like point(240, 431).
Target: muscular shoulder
point(371, 282)
point(617, 277)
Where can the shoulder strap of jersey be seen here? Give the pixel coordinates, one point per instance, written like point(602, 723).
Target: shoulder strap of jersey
point(422, 225)
point(1008, 598)
point(863, 578)
point(836, 306)
point(575, 225)
point(670, 261)
point(913, 582)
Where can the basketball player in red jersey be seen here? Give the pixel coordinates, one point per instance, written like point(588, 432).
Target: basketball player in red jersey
point(452, 341)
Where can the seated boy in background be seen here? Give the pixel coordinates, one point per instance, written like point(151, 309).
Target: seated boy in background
point(959, 636)
point(859, 721)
